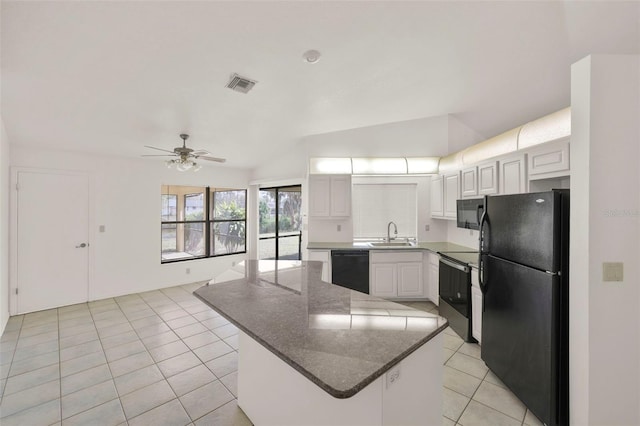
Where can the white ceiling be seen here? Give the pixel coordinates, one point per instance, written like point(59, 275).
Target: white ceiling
point(110, 77)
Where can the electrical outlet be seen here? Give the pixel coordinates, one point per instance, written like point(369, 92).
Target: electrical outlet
point(612, 271)
point(393, 375)
point(426, 227)
point(233, 263)
point(188, 271)
point(101, 228)
point(339, 228)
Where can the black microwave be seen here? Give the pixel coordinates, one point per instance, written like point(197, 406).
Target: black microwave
point(469, 213)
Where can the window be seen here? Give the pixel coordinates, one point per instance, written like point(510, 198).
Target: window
point(202, 222)
point(280, 223)
point(228, 222)
point(375, 205)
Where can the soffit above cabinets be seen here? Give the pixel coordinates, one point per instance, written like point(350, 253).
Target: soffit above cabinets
point(374, 165)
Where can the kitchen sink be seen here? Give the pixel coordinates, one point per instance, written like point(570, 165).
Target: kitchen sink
point(393, 244)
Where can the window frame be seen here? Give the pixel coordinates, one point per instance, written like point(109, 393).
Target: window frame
point(208, 222)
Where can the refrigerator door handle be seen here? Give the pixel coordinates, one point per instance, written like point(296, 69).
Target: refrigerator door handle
point(483, 220)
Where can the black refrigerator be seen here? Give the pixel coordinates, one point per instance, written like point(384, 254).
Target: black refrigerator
point(524, 277)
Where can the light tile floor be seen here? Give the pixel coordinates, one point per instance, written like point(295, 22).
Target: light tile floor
point(164, 358)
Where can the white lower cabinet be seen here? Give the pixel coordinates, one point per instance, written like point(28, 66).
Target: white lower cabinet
point(396, 274)
point(476, 306)
point(383, 280)
point(410, 283)
point(323, 256)
point(433, 278)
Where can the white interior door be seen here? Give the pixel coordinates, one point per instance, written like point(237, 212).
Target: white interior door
point(52, 240)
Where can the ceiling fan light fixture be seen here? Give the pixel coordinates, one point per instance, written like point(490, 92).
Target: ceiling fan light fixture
point(184, 156)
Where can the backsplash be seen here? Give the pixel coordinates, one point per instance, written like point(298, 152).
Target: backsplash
point(464, 237)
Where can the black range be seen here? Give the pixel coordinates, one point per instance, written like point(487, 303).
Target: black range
point(455, 291)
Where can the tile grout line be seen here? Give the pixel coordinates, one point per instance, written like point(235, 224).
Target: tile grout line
point(166, 379)
point(154, 363)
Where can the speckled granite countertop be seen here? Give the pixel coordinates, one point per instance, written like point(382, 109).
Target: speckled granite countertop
point(340, 339)
point(436, 246)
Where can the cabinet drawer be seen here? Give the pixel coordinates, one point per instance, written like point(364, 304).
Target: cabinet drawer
point(394, 257)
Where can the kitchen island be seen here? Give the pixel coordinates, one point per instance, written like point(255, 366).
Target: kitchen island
point(313, 353)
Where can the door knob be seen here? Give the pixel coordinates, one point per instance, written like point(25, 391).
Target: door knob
point(83, 245)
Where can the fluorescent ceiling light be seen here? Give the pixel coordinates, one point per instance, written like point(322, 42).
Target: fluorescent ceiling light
point(379, 166)
point(328, 166)
point(374, 165)
point(422, 165)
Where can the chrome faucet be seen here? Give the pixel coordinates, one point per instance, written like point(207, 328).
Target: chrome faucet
point(395, 231)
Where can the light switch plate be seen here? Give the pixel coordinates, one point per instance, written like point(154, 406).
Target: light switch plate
point(612, 271)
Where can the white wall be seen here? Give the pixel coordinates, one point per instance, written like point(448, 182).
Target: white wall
point(605, 215)
point(461, 136)
point(4, 226)
point(412, 138)
point(125, 198)
point(464, 237)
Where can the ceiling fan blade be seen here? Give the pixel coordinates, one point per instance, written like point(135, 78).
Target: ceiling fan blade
point(219, 160)
point(200, 152)
point(159, 149)
point(158, 155)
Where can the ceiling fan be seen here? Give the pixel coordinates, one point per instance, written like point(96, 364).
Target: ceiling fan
point(185, 156)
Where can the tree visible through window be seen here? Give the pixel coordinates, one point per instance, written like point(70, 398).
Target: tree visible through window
point(202, 222)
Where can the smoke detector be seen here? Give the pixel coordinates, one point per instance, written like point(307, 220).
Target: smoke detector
point(241, 84)
point(311, 56)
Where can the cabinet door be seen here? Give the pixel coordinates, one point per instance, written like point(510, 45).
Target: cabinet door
point(488, 178)
point(451, 194)
point(323, 256)
point(469, 182)
point(548, 158)
point(437, 204)
point(410, 282)
point(513, 175)
point(434, 284)
point(340, 196)
point(319, 195)
point(383, 279)
point(476, 313)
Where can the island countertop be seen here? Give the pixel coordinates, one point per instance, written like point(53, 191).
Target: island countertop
point(340, 339)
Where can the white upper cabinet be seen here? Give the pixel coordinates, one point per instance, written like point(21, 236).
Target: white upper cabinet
point(488, 178)
point(451, 194)
point(549, 158)
point(469, 182)
point(319, 195)
point(340, 196)
point(329, 196)
point(437, 197)
point(513, 174)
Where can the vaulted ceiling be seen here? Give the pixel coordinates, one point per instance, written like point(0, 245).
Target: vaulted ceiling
point(110, 77)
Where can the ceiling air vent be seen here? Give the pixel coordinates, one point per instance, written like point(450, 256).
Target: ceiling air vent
point(240, 84)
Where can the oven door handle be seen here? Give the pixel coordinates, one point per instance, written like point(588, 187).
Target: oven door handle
point(457, 266)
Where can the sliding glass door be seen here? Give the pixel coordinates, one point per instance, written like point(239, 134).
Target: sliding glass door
point(280, 223)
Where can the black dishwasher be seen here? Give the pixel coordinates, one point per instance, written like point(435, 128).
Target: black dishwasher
point(350, 269)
